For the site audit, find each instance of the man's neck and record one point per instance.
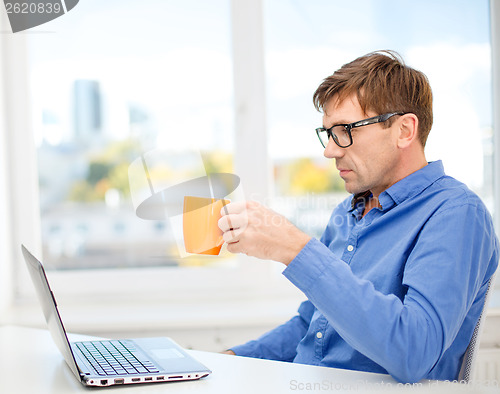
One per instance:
(371, 203)
(414, 166)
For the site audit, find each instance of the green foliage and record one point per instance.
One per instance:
(306, 175)
(218, 161)
(108, 169)
(98, 170)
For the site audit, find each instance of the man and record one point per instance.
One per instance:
(398, 280)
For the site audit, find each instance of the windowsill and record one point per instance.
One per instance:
(490, 337)
(233, 311)
(85, 317)
(494, 302)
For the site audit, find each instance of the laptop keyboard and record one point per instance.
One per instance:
(116, 358)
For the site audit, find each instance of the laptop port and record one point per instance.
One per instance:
(104, 382)
(136, 379)
(148, 379)
(175, 377)
(160, 378)
(119, 381)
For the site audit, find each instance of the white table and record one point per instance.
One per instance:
(30, 363)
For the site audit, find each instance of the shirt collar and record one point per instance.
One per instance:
(360, 199)
(406, 188)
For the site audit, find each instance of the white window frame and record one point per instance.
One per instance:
(6, 275)
(147, 289)
(255, 282)
(495, 67)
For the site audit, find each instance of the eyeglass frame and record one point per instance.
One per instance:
(349, 126)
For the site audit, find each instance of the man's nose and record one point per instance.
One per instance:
(332, 150)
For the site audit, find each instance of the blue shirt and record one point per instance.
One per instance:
(397, 291)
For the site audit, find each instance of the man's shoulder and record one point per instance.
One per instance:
(450, 193)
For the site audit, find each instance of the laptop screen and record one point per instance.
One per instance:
(49, 307)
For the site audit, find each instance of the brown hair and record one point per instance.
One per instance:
(382, 83)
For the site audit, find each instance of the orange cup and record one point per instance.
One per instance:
(202, 235)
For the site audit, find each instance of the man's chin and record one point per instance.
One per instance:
(353, 189)
(349, 188)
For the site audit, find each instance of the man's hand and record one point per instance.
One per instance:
(255, 230)
(230, 352)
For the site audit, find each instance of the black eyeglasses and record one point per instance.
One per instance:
(341, 133)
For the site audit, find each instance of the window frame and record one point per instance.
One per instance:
(250, 280)
(19, 190)
(495, 67)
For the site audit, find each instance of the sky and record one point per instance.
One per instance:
(174, 59)
(447, 40)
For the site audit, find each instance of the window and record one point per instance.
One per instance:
(116, 79)
(307, 41)
(131, 78)
(109, 83)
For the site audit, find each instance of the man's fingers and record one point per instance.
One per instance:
(233, 208)
(231, 222)
(232, 236)
(234, 247)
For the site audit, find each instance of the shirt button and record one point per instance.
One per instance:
(350, 248)
(319, 335)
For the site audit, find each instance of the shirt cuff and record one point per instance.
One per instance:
(308, 265)
(248, 349)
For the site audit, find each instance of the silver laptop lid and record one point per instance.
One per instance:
(49, 307)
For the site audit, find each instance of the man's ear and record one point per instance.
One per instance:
(408, 130)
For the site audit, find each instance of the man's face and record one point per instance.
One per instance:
(371, 162)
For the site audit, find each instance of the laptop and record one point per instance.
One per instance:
(113, 362)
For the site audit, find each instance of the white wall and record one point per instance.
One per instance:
(495, 67)
(5, 257)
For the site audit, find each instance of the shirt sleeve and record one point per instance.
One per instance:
(280, 343)
(406, 337)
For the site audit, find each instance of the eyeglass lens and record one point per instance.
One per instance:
(339, 133)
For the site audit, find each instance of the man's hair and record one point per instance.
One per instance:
(382, 83)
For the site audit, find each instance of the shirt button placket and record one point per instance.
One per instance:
(318, 346)
(350, 246)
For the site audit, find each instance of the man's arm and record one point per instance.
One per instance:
(255, 230)
(443, 275)
(280, 343)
